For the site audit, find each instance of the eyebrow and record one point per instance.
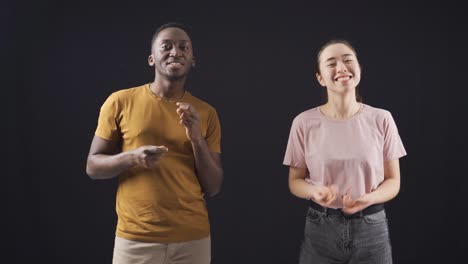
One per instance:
(334, 58)
(172, 40)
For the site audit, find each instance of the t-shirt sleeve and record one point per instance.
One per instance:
(295, 149)
(213, 132)
(108, 127)
(393, 146)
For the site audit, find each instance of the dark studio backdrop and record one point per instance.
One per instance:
(255, 65)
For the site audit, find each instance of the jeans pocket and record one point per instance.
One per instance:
(313, 215)
(376, 218)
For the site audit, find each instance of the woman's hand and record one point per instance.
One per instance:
(351, 206)
(324, 195)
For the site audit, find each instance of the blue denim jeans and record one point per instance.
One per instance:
(337, 239)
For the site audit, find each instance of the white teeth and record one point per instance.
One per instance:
(343, 78)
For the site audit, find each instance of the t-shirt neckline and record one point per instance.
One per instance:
(161, 99)
(322, 115)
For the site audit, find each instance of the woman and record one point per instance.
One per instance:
(343, 157)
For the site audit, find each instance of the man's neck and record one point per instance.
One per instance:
(170, 90)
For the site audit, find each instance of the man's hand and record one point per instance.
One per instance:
(148, 156)
(190, 119)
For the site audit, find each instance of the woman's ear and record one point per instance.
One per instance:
(320, 79)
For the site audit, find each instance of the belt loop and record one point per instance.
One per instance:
(361, 214)
(325, 210)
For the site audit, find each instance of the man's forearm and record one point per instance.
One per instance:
(102, 166)
(209, 172)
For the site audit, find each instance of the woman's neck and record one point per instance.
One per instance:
(341, 108)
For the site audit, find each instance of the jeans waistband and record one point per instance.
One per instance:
(372, 209)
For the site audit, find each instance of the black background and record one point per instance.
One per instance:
(255, 65)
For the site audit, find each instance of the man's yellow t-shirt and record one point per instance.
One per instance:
(164, 204)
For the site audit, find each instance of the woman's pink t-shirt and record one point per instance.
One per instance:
(349, 153)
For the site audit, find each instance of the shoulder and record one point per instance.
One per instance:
(375, 113)
(200, 105)
(308, 120)
(309, 115)
(128, 93)
(378, 117)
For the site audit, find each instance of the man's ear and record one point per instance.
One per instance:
(151, 60)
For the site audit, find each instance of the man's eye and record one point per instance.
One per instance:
(331, 65)
(349, 60)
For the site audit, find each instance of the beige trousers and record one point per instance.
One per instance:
(190, 252)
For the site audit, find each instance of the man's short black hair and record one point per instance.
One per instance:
(168, 25)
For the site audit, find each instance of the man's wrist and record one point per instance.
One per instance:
(130, 158)
(198, 141)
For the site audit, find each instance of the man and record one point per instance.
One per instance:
(164, 144)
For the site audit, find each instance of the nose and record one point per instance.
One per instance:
(175, 51)
(341, 67)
